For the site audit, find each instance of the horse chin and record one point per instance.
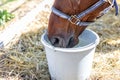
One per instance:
(72, 43)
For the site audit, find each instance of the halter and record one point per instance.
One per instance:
(75, 19)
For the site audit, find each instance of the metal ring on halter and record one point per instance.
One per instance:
(73, 19)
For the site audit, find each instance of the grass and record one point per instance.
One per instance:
(5, 16)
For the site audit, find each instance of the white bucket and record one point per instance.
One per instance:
(71, 63)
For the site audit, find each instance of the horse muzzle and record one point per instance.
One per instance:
(58, 41)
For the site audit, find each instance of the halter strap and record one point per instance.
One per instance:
(75, 19)
(116, 7)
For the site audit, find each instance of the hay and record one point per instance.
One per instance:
(107, 58)
(26, 59)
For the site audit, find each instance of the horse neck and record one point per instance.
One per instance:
(73, 6)
(67, 6)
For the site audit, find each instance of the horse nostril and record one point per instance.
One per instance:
(57, 41)
(60, 42)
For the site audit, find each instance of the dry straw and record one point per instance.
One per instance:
(26, 59)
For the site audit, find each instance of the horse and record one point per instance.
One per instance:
(69, 18)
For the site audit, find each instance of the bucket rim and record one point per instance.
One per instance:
(73, 49)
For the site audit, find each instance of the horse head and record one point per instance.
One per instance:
(69, 18)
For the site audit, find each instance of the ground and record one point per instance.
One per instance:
(25, 58)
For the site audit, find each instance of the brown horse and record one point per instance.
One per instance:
(64, 32)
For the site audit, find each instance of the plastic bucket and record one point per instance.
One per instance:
(71, 63)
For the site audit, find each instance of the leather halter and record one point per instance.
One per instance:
(75, 19)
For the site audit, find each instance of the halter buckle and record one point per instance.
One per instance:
(74, 20)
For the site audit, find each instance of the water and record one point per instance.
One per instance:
(82, 42)
(87, 38)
